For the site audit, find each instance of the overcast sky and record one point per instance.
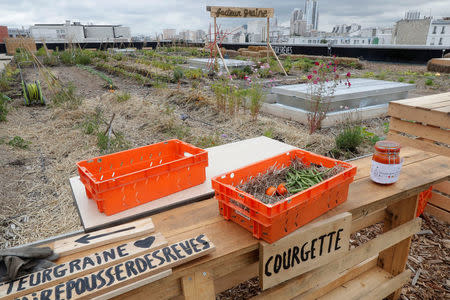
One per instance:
(148, 17)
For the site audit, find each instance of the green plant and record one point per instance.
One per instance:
(91, 123)
(401, 79)
(66, 96)
(41, 52)
(304, 64)
(115, 142)
(411, 81)
(50, 60)
(193, 73)
(108, 80)
(207, 141)
(349, 139)
(19, 142)
(386, 127)
(82, 58)
(429, 82)
(177, 74)
(3, 106)
(368, 75)
(269, 133)
(22, 55)
(122, 97)
(381, 76)
(371, 137)
(256, 95)
(66, 57)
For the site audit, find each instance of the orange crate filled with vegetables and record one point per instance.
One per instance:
(275, 196)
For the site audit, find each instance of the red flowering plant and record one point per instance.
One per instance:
(322, 84)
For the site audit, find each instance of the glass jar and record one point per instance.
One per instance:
(386, 162)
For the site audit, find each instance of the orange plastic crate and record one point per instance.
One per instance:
(129, 178)
(271, 222)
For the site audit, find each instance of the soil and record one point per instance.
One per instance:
(34, 188)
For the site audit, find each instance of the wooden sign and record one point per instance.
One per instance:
(80, 266)
(127, 272)
(239, 12)
(101, 237)
(308, 248)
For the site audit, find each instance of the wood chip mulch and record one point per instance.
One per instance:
(429, 261)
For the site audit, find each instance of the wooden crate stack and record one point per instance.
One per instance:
(424, 123)
(255, 51)
(13, 43)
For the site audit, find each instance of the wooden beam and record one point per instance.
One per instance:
(199, 285)
(411, 142)
(438, 213)
(223, 61)
(403, 111)
(385, 289)
(417, 129)
(443, 187)
(365, 221)
(394, 259)
(329, 272)
(98, 238)
(440, 201)
(279, 62)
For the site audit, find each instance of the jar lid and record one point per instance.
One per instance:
(387, 146)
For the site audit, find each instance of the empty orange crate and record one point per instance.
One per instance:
(129, 178)
(271, 222)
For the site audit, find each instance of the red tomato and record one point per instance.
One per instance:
(271, 190)
(281, 189)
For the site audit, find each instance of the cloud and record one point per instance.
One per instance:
(149, 17)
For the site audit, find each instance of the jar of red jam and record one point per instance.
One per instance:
(386, 162)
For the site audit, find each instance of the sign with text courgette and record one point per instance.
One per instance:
(308, 248)
(126, 273)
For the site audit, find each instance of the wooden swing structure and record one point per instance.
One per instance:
(242, 12)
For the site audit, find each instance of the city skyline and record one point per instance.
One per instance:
(152, 17)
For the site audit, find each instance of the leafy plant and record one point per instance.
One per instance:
(41, 52)
(177, 74)
(269, 133)
(3, 106)
(91, 123)
(386, 127)
(371, 137)
(381, 76)
(108, 80)
(193, 73)
(122, 97)
(368, 75)
(401, 79)
(66, 57)
(66, 96)
(19, 142)
(411, 81)
(50, 60)
(349, 139)
(207, 141)
(429, 82)
(256, 96)
(115, 142)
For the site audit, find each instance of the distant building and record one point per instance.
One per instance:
(412, 15)
(257, 31)
(18, 32)
(411, 31)
(3, 33)
(345, 29)
(169, 34)
(78, 33)
(439, 32)
(311, 14)
(297, 24)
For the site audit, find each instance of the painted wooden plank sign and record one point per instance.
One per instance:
(308, 248)
(101, 237)
(128, 272)
(80, 266)
(240, 12)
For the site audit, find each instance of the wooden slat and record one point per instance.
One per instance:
(386, 288)
(426, 146)
(230, 280)
(393, 260)
(442, 104)
(98, 238)
(198, 286)
(370, 219)
(424, 100)
(438, 213)
(445, 110)
(127, 288)
(435, 117)
(341, 278)
(443, 187)
(417, 129)
(328, 273)
(358, 287)
(440, 201)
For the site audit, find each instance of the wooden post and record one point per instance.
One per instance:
(267, 39)
(215, 41)
(199, 285)
(394, 258)
(279, 62)
(223, 61)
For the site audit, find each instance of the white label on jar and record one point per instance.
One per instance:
(383, 173)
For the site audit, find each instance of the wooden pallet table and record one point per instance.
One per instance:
(373, 270)
(424, 123)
